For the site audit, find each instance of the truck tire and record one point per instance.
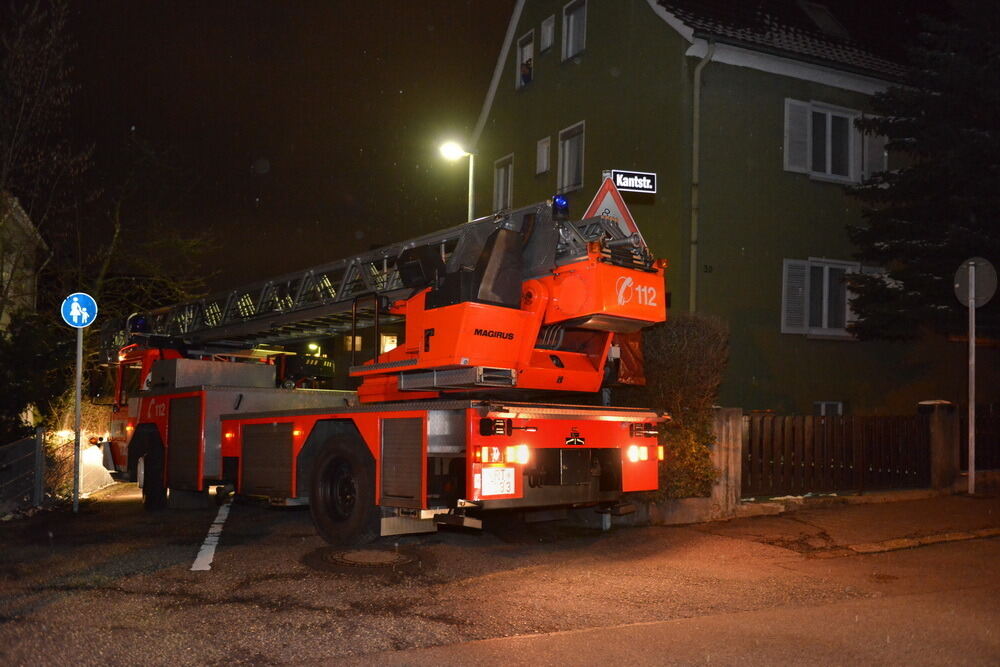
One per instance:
(342, 494)
(154, 493)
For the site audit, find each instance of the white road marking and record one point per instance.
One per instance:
(207, 552)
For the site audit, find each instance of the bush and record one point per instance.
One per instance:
(685, 359)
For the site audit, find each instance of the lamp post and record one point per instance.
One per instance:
(453, 151)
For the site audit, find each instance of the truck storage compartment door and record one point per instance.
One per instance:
(402, 462)
(267, 460)
(184, 444)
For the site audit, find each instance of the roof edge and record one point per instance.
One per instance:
(20, 217)
(728, 53)
(671, 19)
(515, 17)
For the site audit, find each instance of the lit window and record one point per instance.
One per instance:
(524, 71)
(388, 342)
(548, 34)
(542, 156)
(503, 173)
(574, 28)
(352, 348)
(571, 145)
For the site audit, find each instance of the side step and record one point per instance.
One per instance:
(425, 521)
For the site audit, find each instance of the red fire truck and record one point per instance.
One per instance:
(440, 430)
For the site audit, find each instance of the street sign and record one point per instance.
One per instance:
(609, 203)
(79, 310)
(986, 282)
(634, 181)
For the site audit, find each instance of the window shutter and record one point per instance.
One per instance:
(794, 296)
(875, 158)
(796, 136)
(867, 271)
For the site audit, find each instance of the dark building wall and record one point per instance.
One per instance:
(633, 87)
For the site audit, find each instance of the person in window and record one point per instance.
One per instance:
(526, 72)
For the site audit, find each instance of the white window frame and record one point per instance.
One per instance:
(565, 134)
(527, 38)
(798, 147)
(796, 298)
(543, 153)
(829, 408)
(875, 157)
(567, 9)
(503, 200)
(548, 30)
(853, 143)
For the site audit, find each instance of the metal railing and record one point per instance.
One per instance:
(22, 472)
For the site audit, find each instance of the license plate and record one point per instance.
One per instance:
(498, 481)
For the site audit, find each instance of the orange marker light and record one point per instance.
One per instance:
(659, 452)
(229, 435)
(297, 432)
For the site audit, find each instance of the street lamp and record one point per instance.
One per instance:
(452, 151)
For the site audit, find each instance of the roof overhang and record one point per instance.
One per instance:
(731, 52)
(773, 63)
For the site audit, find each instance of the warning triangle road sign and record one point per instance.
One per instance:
(608, 202)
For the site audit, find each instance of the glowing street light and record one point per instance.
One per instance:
(453, 151)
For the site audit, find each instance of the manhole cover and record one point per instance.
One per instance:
(368, 558)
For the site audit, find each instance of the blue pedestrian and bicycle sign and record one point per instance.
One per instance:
(79, 310)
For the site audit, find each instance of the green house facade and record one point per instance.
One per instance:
(744, 111)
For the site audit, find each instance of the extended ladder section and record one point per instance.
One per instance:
(352, 292)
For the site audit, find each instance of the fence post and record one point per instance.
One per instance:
(944, 428)
(39, 494)
(727, 456)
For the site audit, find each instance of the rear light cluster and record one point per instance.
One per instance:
(519, 454)
(636, 453)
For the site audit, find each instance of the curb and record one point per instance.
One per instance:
(913, 542)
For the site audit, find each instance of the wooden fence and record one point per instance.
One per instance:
(799, 455)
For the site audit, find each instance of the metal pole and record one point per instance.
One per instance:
(471, 161)
(76, 436)
(39, 467)
(972, 378)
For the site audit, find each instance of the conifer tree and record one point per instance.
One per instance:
(941, 205)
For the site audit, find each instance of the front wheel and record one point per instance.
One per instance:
(342, 494)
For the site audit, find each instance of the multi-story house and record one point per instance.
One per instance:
(745, 112)
(20, 245)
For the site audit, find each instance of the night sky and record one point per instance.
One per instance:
(304, 129)
(302, 132)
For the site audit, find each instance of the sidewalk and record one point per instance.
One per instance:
(868, 527)
(934, 605)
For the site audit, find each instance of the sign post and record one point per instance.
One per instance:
(975, 283)
(78, 310)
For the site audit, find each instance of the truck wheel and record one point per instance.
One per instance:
(342, 494)
(154, 493)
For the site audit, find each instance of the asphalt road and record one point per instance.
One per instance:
(114, 586)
